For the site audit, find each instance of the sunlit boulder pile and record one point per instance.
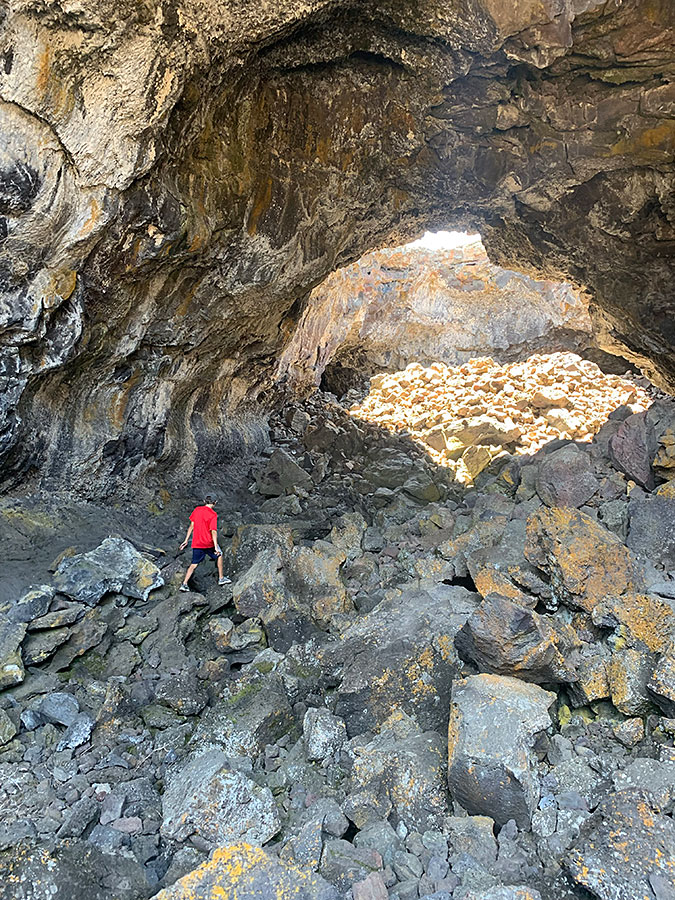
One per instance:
(465, 416)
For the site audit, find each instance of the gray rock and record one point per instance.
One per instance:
(204, 796)
(72, 870)
(77, 733)
(7, 728)
(11, 665)
(632, 449)
(651, 529)
(565, 477)
(624, 846)
(472, 837)
(248, 873)
(512, 892)
(251, 712)
(115, 565)
(59, 708)
(282, 475)
(33, 604)
(493, 723)
(342, 864)
(404, 648)
(653, 776)
(323, 733)
(184, 693)
(398, 775)
(505, 638)
(662, 683)
(379, 835)
(80, 817)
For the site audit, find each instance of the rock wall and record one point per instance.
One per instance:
(177, 175)
(416, 304)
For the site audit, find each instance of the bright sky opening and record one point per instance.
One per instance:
(445, 240)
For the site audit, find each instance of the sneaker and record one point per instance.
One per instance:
(184, 588)
(224, 580)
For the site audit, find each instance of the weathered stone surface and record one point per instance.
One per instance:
(205, 797)
(323, 733)
(662, 683)
(565, 478)
(591, 569)
(625, 850)
(342, 864)
(424, 117)
(651, 531)
(493, 723)
(115, 565)
(401, 656)
(399, 775)
(7, 728)
(250, 712)
(507, 639)
(248, 873)
(512, 892)
(11, 664)
(415, 304)
(77, 870)
(282, 475)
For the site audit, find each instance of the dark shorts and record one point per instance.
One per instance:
(198, 554)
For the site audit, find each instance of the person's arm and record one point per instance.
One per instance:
(187, 536)
(214, 535)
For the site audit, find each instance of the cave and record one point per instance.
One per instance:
(417, 636)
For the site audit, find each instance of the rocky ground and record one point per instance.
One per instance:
(414, 687)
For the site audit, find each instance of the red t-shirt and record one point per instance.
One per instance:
(205, 521)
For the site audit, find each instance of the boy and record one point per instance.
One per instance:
(203, 525)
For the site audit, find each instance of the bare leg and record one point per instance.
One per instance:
(219, 562)
(190, 572)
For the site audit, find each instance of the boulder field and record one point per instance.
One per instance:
(413, 687)
(176, 176)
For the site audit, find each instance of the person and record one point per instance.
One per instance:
(204, 532)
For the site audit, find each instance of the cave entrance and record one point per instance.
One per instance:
(470, 360)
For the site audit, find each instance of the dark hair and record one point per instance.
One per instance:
(209, 499)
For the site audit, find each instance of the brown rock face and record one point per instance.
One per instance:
(425, 305)
(176, 177)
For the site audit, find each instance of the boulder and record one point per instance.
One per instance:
(508, 639)
(565, 477)
(494, 721)
(248, 873)
(75, 870)
(249, 713)
(323, 733)
(343, 864)
(7, 728)
(205, 796)
(654, 776)
(651, 529)
(512, 892)
(11, 665)
(282, 475)
(662, 683)
(115, 565)
(33, 604)
(400, 655)
(625, 850)
(592, 570)
(632, 449)
(399, 775)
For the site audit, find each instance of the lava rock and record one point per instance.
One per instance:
(342, 864)
(565, 478)
(399, 775)
(662, 683)
(248, 873)
(72, 869)
(282, 475)
(401, 656)
(204, 796)
(7, 728)
(59, 707)
(508, 639)
(323, 733)
(494, 721)
(115, 565)
(11, 665)
(651, 530)
(624, 850)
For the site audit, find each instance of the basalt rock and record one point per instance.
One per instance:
(176, 180)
